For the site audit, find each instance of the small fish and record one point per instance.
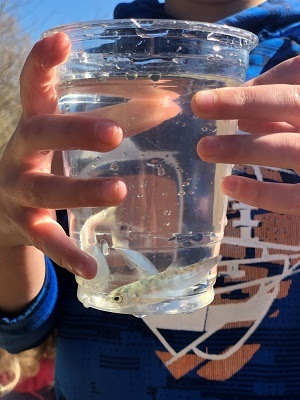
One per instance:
(136, 260)
(170, 283)
(107, 217)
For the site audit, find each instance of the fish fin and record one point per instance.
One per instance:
(179, 263)
(134, 259)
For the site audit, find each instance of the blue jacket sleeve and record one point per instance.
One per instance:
(30, 328)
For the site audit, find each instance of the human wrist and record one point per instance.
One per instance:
(22, 272)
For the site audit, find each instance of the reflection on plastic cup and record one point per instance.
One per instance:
(157, 252)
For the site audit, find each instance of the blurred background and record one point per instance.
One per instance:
(39, 15)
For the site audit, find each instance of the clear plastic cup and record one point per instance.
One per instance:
(157, 253)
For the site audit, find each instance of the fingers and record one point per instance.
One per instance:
(274, 150)
(145, 108)
(273, 103)
(66, 132)
(57, 192)
(48, 236)
(286, 72)
(264, 128)
(138, 116)
(37, 80)
(137, 89)
(276, 197)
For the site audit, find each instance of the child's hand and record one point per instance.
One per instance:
(269, 108)
(29, 193)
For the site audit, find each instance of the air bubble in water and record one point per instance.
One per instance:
(104, 247)
(180, 61)
(217, 47)
(102, 77)
(87, 75)
(167, 212)
(131, 75)
(181, 193)
(66, 108)
(154, 76)
(198, 237)
(82, 55)
(114, 166)
(161, 171)
(124, 228)
(154, 162)
(185, 184)
(187, 243)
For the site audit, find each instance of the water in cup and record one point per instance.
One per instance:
(157, 252)
(162, 242)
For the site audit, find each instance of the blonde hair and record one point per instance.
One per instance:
(25, 364)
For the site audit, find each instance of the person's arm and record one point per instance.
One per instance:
(29, 327)
(29, 192)
(22, 272)
(269, 108)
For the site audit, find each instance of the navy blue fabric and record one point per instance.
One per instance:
(275, 22)
(141, 9)
(22, 332)
(110, 356)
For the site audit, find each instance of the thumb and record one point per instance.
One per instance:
(37, 82)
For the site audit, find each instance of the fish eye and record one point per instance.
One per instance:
(118, 299)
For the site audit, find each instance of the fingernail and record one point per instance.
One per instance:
(210, 145)
(108, 131)
(54, 40)
(80, 270)
(112, 190)
(205, 100)
(230, 185)
(84, 270)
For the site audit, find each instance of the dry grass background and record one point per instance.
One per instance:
(14, 47)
